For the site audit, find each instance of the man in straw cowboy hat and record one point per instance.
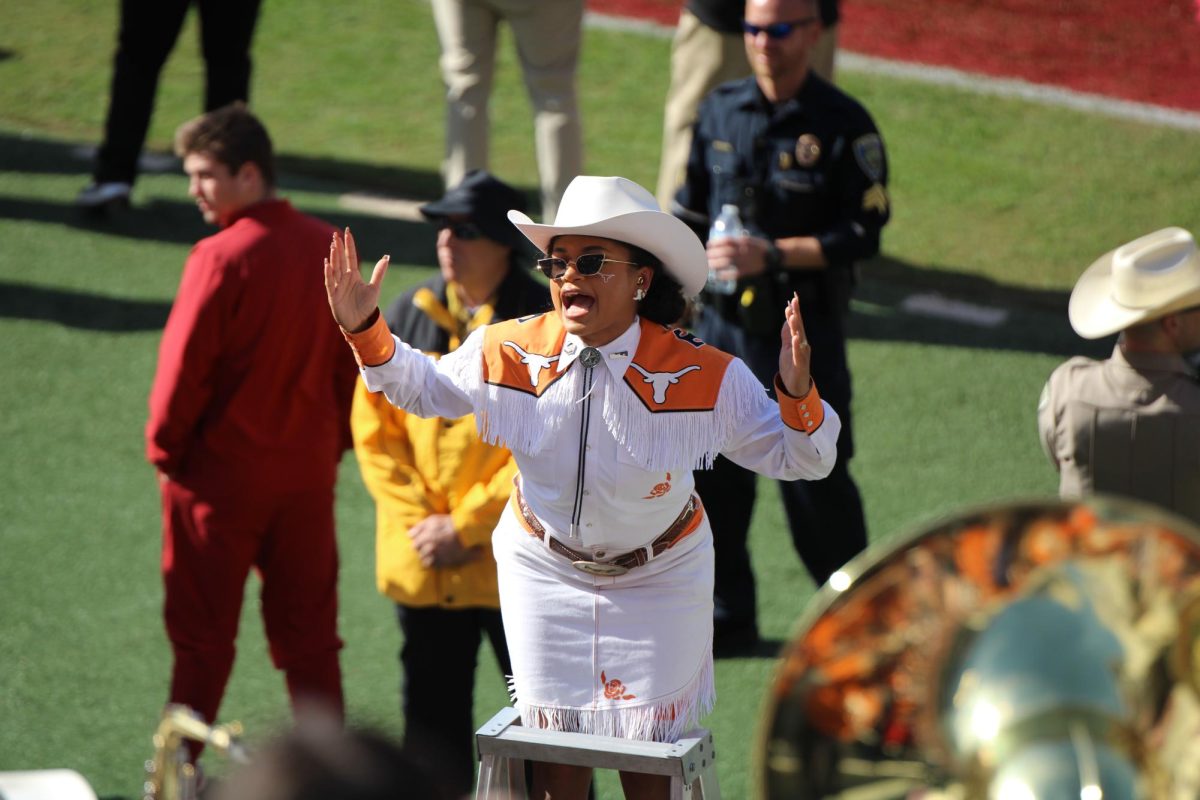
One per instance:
(1130, 425)
(604, 555)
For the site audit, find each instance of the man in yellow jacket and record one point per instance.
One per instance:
(438, 488)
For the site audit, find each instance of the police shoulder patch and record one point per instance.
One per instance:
(868, 152)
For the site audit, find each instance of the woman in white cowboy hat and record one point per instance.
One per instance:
(605, 557)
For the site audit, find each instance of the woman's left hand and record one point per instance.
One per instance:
(794, 352)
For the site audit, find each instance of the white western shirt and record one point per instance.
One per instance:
(619, 502)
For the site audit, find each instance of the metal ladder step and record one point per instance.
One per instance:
(504, 745)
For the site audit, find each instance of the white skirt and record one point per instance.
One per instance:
(627, 656)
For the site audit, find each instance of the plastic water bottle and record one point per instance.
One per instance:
(728, 223)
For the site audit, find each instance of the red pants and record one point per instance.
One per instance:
(210, 543)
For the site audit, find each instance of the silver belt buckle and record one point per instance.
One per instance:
(600, 568)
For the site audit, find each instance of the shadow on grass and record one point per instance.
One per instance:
(763, 648)
(27, 153)
(20, 153)
(298, 172)
(177, 222)
(1034, 320)
(81, 310)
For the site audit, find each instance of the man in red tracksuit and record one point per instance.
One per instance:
(249, 415)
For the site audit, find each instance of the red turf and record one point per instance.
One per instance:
(1144, 50)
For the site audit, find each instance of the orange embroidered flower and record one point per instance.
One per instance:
(614, 689)
(659, 489)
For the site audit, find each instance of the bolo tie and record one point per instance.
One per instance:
(589, 358)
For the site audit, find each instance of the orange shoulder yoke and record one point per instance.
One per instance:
(672, 370)
(523, 353)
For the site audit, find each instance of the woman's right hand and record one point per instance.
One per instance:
(350, 299)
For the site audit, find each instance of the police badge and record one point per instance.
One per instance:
(808, 150)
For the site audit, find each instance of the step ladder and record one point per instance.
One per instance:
(505, 745)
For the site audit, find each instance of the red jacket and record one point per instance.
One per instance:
(254, 380)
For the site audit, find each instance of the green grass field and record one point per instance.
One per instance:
(996, 202)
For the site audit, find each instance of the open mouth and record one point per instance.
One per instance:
(576, 304)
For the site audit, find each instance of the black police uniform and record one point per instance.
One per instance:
(813, 165)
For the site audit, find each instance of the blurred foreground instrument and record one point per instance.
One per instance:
(170, 775)
(1024, 651)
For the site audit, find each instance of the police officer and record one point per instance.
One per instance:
(707, 50)
(806, 167)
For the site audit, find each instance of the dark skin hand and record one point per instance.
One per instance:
(794, 352)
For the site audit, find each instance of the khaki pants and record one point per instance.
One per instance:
(547, 37)
(701, 60)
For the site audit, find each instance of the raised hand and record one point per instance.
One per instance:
(351, 300)
(794, 352)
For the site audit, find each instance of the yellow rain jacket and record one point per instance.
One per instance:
(416, 467)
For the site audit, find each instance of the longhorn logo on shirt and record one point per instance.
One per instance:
(661, 381)
(535, 362)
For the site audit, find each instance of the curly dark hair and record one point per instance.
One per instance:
(664, 302)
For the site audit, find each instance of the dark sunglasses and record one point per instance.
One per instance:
(586, 265)
(777, 30)
(467, 231)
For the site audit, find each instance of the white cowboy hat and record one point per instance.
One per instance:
(1138, 282)
(617, 208)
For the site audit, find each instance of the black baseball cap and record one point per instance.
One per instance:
(485, 200)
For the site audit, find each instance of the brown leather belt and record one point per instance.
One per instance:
(687, 522)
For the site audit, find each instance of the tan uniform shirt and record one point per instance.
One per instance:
(1128, 426)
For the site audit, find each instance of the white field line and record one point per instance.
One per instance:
(968, 81)
(382, 206)
(931, 304)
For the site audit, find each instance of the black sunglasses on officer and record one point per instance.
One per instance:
(777, 30)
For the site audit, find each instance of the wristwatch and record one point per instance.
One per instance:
(773, 258)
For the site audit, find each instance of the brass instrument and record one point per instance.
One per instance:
(1024, 651)
(171, 775)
